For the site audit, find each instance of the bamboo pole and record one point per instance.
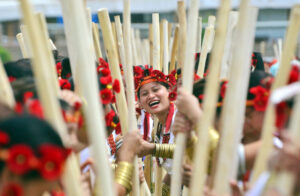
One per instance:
(199, 35)
(207, 40)
(174, 48)
(188, 71)
(120, 42)
(280, 80)
(113, 26)
(139, 45)
(262, 48)
(39, 49)
(211, 23)
(286, 180)
(211, 91)
(161, 44)
(156, 41)
(146, 44)
(82, 57)
(24, 32)
(170, 30)
(132, 125)
(123, 61)
(232, 116)
(165, 47)
(151, 44)
(6, 92)
(182, 33)
(21, 43)
(134, 48)
(43, 27)
(52, 45)
(96, 41)
(227, 57)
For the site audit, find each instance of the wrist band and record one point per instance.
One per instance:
(123, 174)
(164, 150)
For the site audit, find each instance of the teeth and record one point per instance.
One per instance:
(153, 103)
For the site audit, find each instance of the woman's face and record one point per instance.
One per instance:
(154, 98)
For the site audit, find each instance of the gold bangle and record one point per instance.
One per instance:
(124, 174)
(164, 150)
(165, 190)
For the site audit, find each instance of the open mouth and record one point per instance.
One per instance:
(154, 103)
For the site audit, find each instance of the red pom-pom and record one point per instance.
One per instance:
(19, 108)
(11, 78)
(36, 109)
(4, 138)
(172, 96)
(105, 80)
(172, 79)
(116, 86)
(51, 163)
(109, 118)
(27, 95)
(294, 75)
(19, 159)
(105, 72)
(106, 96)
(261, 98)
(223, 89)
(64, 84)
(77, 106)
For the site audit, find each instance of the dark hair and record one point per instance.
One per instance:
(23, 85)
(256, 79)
(19, 68)
(199, 88)
(30, 131)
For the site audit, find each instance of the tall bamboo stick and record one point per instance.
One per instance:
(39, 49)
(24, 32)
(96, 41)
(227, 57)
(151, 43)
(165, 47)
(174, 48)
(207, 41)
(211, 91)
(156, 41)
(280, 80)
(6, 92)
(134, 48)
(199, 35)
(82, 57)
(43, 27)
(21, 43)
(130, 86)
(182, 33)
(161, 44)
(235, 98)
(188, 71)
(120, 40)
(286, 180)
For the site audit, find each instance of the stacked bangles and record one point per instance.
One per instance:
(164, 150)
(123, 174)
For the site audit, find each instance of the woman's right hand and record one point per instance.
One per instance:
(188, 105)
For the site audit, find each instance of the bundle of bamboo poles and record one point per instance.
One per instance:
(169, 46)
